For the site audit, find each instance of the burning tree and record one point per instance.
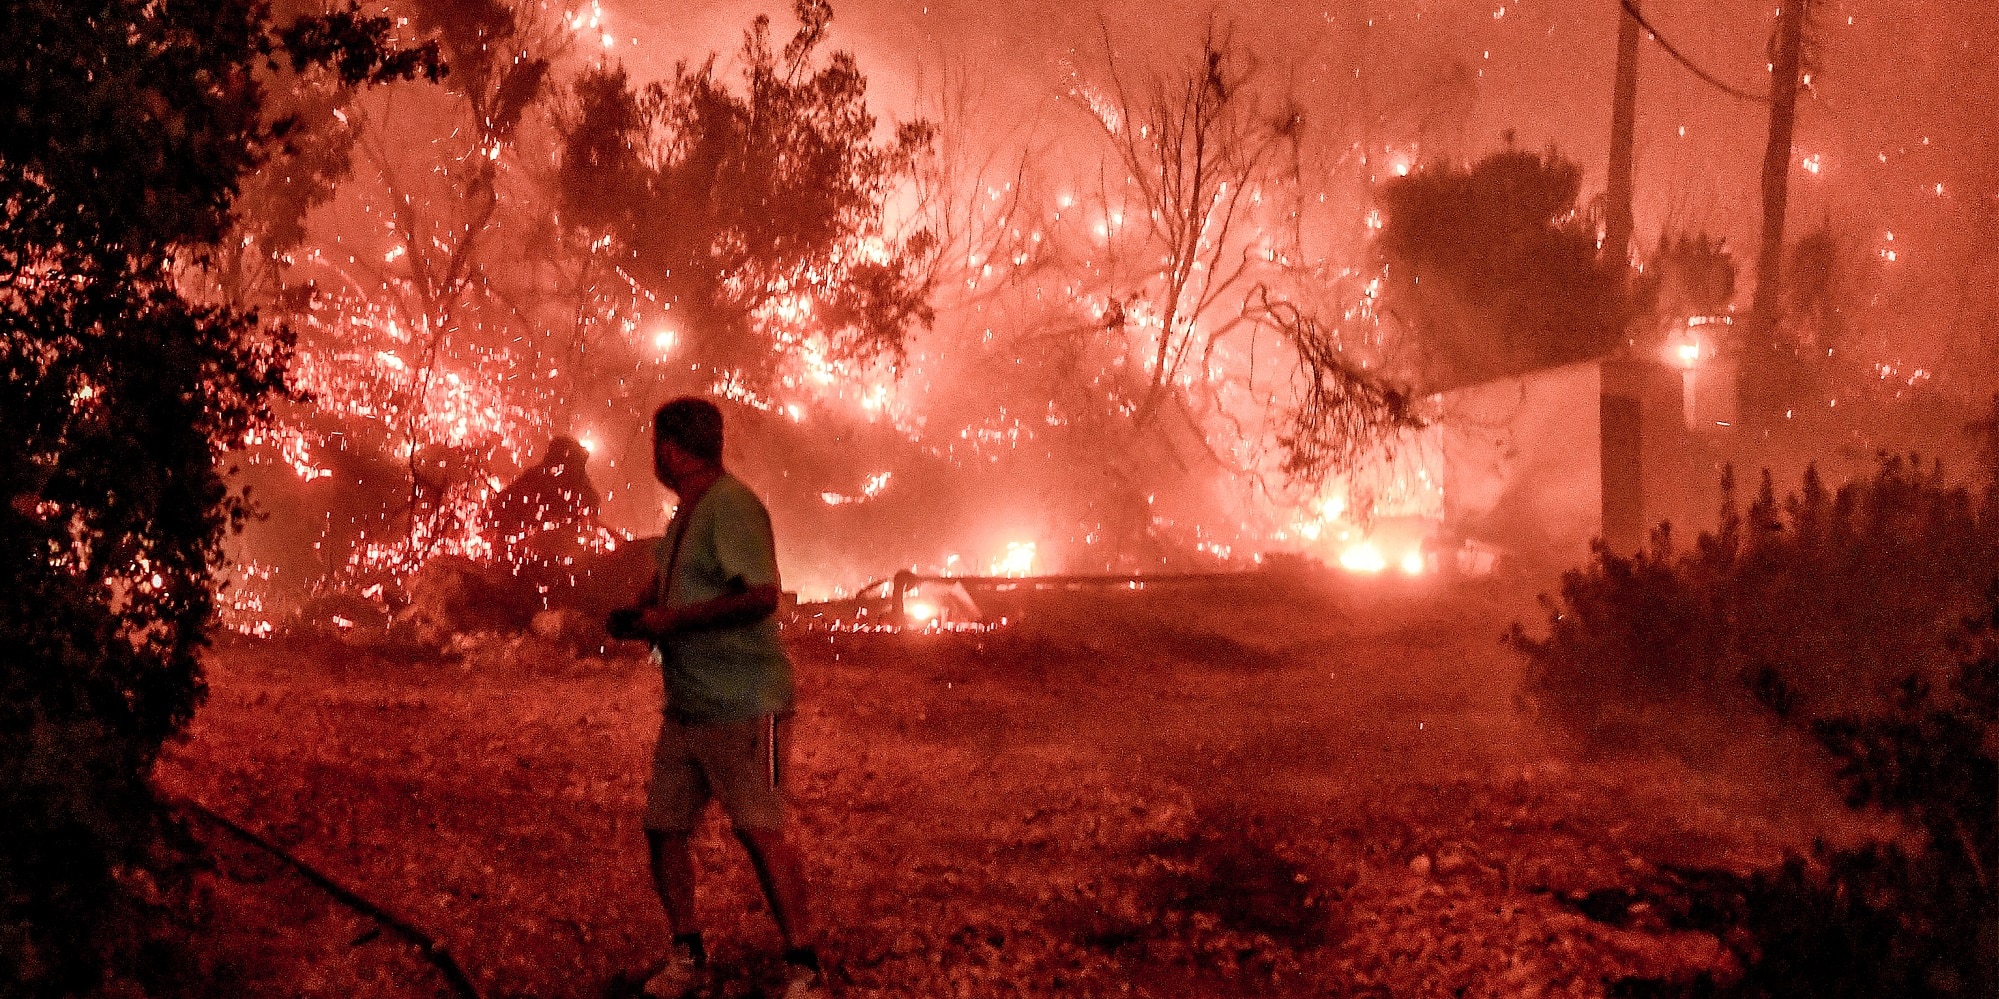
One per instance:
(395, 402)
(422, 326)
(1145, 323)
(452, 323)
(133, 125)
(439, 355)
(1198, 261)
(1198, 147)
(755, 216)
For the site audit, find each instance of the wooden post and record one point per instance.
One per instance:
(899, 588)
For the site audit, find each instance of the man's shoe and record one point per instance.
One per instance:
(801, 982)
(678, 979)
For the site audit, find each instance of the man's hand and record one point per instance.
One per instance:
(657, 623)
(651, 624)
(626, 623)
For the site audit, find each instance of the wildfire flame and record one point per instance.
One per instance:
(1017, 561)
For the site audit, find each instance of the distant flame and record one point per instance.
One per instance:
(1363, 557)
(869, 490)
(1018, 560)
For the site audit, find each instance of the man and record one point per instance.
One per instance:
(710, 614)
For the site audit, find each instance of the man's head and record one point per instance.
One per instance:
(686, 439)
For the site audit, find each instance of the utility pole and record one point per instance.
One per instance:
(1619, 448)
(1760, 362)
(1623, 130)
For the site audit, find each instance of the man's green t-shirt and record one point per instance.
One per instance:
(732, 673)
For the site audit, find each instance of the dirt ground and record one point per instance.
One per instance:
(1271, 786)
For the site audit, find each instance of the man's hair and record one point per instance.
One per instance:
(695, 425)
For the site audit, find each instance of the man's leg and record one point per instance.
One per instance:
(673, 878)
(673, 802)
(778, 869)
(745, 770)
(686, 961)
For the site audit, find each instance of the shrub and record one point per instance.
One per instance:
(131, 127)
(1912, 918)
(1816, 607)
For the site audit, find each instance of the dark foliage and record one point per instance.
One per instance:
(1816, 607)
(1833, 616)
(1917, 918)
(1494, 270)
(774, 188)
(128, 127)
(1810, 359)
(1820, 282)
(309, 97)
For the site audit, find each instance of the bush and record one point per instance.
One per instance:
(1837, 617)
(1820, 606)
(130, 129)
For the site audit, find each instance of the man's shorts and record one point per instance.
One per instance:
(737, 763)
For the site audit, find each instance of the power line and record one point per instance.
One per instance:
(1631, 8)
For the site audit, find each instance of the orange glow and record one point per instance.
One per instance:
(1018, 560)
(1363, 557)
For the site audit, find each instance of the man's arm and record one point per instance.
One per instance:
(741, 605)
(739, 538)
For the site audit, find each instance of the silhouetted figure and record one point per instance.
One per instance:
(555, 494)
(711, 615)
